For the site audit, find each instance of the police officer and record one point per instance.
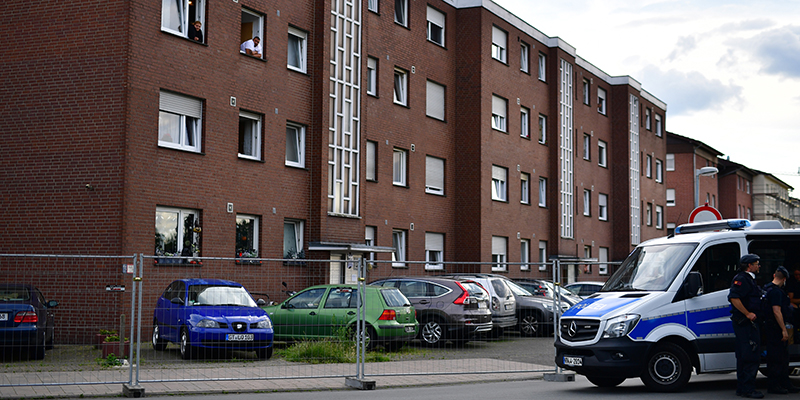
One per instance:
(777, 335)
(745, 298)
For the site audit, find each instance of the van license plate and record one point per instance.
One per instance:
(573, 361)
(243, 337)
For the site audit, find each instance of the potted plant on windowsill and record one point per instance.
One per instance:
(293, 257)
(112, 346)
(247, 257)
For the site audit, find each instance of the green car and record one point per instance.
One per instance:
(322, 311)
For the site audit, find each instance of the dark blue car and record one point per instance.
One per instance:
(26, 319)
(211, 314)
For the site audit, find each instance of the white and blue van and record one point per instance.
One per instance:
(665, 311)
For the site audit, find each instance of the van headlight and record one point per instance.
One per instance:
(265, 324)
(620, 326)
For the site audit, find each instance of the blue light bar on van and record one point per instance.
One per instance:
(712, 226)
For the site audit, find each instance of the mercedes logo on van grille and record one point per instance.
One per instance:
(573, 328)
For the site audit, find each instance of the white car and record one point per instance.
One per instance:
(584, 289)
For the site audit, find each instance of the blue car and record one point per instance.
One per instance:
(211, 314)
(26, 319)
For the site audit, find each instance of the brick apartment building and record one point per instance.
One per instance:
(735, 190)
(441, 130)
(684, 157)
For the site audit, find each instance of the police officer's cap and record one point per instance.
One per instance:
(782, 270)
(749, 259)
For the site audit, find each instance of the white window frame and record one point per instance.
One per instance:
(399, 167)
(182, 9)
(524, 254)
(434, 175)
(659, 125)
(499, 111)
(372, 76)
(499, 183)
(255, 220)
(542, 67)
(670, 164)
(372, 5)
(602, 257)
(649, 214)
(180, 234)
(299, 139)
(525, 188)
(189, 111)
(253, 135)
(587, 202)
(542, 192)
(499, 44)
(499, 253)
(602, 207)
(647, 117)
(401, 12)
(670, 197)
(659, 171)
(601, 101)
(400, 87)
(298, 41)
(542, 129)
(398, 248)
(524, 57)
(587, 90)
(258, 27)
(436, 19)
(369, 239)
(648, 167)
(602, 153)
(296, 227)
(524, 122)
(659, 217)
(587, 147)
(542, 255)
(435, 100)
(434, 251)
(372, 161)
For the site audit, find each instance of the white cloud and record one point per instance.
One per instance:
(685, 44)
(778, 51)
(689, 92)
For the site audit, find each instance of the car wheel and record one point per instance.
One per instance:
(668, 368)
(605, 382)
(369, 336)
(530, 325)
(432, 332)
(186, 345)
(159, 343)
(264, 354)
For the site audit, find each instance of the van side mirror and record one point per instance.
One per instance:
(692, 286)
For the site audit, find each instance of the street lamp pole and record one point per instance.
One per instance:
(705, 171)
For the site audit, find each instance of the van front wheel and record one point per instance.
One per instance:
(668, 368)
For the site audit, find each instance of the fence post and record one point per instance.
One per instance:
(358, 382)
(133, 388)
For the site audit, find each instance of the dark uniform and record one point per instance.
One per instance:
(777, 349)
(748, 337)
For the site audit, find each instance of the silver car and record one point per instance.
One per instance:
(503, 302)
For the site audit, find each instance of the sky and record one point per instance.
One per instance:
(729, 71)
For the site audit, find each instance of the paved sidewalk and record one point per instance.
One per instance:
(270, 379)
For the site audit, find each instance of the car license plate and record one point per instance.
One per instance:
(240, 337)
(573, 361)
(410, 329)
(3, 316)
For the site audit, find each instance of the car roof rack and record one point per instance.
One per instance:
(725, 224)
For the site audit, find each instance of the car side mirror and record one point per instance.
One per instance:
(52, 303)
(692, 286)
(261, 302)
(176, 300)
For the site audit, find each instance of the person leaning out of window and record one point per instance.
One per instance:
(195, 33)
(252, 47)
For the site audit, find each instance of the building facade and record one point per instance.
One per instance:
(771, 200)
(686, 189)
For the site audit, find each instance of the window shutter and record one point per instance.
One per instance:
(498, 245)
(434, 172)
(179, 104)
(435, 100)
(499, 37)
(499, 106)
(498, 173)
(434, 241)
(435, 16)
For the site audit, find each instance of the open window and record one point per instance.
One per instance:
(252, 27)
(177, 16)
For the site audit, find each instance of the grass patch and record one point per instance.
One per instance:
(341, 349)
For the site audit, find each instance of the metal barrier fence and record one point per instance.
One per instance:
(106, 315)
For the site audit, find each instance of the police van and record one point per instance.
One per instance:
(665, 311)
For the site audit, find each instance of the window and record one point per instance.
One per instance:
(647, 115)
(246, 236)
(747, 187)
(542, 129)
(499, 175)
(400, 87)
(177, 232)
(670, 162)
(658, 125)
(499, 107)
(401, 12)
(372, 5)
(434, 100)
(649, 217)
(434, 250)
(372, 76)
(524, 122)
(601, 101)
(587, 147)
(659, 171)
(372, 161)
(525, 188)
(602, 211)
(436, 26)
(249, 135)
(434, 175)
(648, 166)
(296, 57)
(293, 239)
(602, 257)
(499, 40)
(542, 255)
(659, 217)
(252, 28)
(586, 91)
(399, 167)
(399, 244)
(542, 192)
(670, 197)
(369, 239)
(295, 145)
(542, 64)
(524, 254)
(602, 154)
(587, 202)
(179, 121)
(524, 57)
(499, 259)
(178, 15)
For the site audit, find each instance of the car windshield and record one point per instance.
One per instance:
(394, 298)
(518, 290)
(650, 268)
(210, 295)
(14, 294)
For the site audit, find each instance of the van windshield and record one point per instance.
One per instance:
(650, 268)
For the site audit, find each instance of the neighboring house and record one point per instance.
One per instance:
(771, 200)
